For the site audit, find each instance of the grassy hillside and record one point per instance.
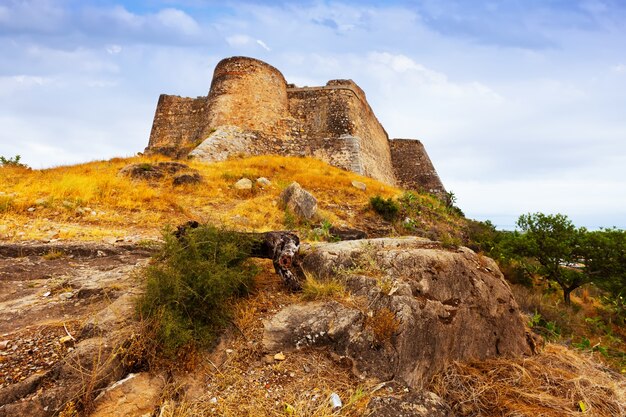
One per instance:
(90, 201)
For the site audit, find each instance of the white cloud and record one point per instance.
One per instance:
(263, 45)
(178, 20)
(113, 49)
(239, 40)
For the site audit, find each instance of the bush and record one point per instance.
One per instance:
(12, 162)
(388, 208)
(189, 285)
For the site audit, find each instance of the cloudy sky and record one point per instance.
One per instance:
(521, 104)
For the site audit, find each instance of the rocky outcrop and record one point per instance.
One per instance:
(421, 308)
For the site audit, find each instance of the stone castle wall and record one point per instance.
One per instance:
(338, 110)
(412, 166)
(333, 123)
(178, 122)
(249, 94)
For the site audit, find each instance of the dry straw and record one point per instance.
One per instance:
(555, 383)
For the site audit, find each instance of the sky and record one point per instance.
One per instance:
(521, 104)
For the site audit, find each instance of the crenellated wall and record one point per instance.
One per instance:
(251, 109)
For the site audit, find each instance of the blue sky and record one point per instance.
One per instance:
(521, 104)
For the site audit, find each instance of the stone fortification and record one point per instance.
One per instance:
(250, 109)
(412, 165)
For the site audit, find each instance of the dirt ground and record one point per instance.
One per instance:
(47, 291)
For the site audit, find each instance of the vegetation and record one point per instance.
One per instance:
(388, 208)
(12, 162)
(314, 289)
(190, 284)
(555, 383)
(555, 244)
(90, 201)
(548, 251)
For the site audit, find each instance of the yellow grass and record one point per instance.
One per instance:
(91, 200)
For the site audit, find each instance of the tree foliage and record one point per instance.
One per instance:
(604, 253)
(556, 245)
(12, 162)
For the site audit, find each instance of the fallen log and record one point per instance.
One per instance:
(282, 247)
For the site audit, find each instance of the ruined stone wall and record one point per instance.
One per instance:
(177, 123)
(413, 168)
(340, 109)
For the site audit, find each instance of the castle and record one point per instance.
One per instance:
(252, 110)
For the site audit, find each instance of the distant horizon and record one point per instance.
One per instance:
(519, 105)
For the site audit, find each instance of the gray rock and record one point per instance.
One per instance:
(224, 142)
(298, 200)
(427, 307)
(360, 185)
(243, 184)
(415, 404)
(312, 324)
(263, 182)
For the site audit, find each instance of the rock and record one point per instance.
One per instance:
(187, 178)
(147, 171)
(141, 172)
(312, 324)
(5, 344)
(134, 396)
(415, 404)
(428, 306)
(263, 182)
(224, 142)
(243, 184)
(31, 209)
(109, 240)
(298, 200)
(280, 356)
(359, 185)
(347, 233)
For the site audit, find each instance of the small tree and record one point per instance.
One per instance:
(555, 243)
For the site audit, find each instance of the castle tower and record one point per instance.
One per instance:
(247, 93)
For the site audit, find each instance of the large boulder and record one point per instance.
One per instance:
(421, 307)
(299, 200)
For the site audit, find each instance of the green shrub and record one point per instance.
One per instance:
(388, 208)
(190, 284)
(12, 162)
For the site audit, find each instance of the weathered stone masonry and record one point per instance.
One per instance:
(250, 109)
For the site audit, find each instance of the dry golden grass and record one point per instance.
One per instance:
(383, 324)
(555, 383)
(91, 201)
